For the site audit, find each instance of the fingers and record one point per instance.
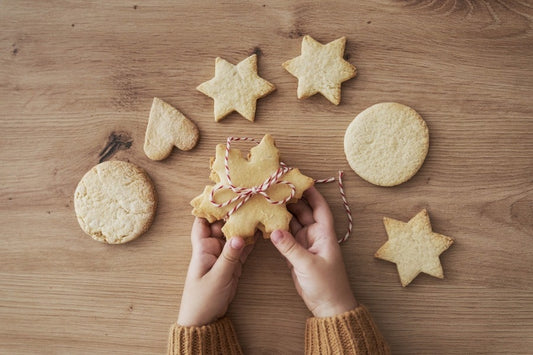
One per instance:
(290, 248)
(302, 211)
(247, 250)
(319, 205)
(216, 229)
(230, 258)
(294, 226)
(200, 230)
(303, 237)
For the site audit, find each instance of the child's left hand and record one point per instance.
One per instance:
(213, 274)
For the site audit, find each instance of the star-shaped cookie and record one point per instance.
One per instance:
(321, 68)
(414, 247)
(236, 88)
(257, 212)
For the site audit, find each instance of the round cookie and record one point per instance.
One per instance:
(387, 143)
(115, 202)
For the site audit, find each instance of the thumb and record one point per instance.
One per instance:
(290, 248)
(229, 259)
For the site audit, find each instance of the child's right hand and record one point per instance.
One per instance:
(315, 258)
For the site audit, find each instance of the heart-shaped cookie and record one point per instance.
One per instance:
(167, 128)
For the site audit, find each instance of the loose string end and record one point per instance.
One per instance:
(344, 201)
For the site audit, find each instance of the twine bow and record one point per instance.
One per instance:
(243, 194)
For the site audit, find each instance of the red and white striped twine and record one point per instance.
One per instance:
(344, 202)
(243, 194)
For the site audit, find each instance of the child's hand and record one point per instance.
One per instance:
(213, 274)
(315, 258)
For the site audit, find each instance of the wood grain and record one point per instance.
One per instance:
(72, 74)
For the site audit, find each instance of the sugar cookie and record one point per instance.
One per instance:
(387, 143)
(115, 202)
(236, 88)
(168, 128)
(321, 68)
(257, 212)
(414, 247)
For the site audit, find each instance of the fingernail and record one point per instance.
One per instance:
(276, 236)
(236, 243)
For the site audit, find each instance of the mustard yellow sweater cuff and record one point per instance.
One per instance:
(353, 332)
(218, 337)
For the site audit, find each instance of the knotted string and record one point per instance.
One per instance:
(243, 194)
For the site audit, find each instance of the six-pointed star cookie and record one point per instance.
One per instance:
(236, 88)
(321, 68)
(413, 247)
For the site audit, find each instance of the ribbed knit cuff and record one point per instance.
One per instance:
(217, 338)
(353, 332)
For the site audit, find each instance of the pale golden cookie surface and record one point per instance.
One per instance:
(115, 202)
(321, 68)
(414, 247)
(236, 88)
(386, 144)
(257, 213)
(168, 128)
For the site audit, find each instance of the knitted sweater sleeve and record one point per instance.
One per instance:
(353, 332)
(218, 337)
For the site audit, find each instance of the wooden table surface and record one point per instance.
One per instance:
(73, 74)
